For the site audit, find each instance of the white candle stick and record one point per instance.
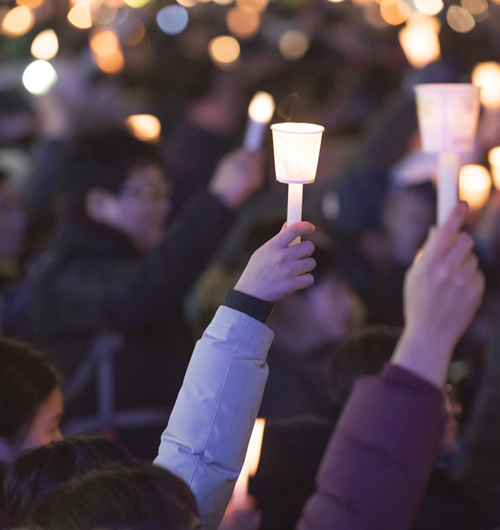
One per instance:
(494, 160)
(447, 197)
(250, 465)
(260, 112)
(294, 213)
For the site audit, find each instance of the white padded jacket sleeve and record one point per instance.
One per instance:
(208, 432)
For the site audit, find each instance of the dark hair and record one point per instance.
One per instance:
(136, 496)
(102, 159)
(363, 353)
(38, 473)
(27, 378)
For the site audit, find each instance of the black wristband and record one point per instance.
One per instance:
(250, 305)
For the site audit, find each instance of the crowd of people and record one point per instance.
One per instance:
(152, 304)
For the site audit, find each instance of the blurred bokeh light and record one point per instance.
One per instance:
(241, 23)
(39, 77)
(475, 185)
(224, 50)
(294, 44)
(172, 19)
(487, 76)
(45, 45)
(17, 21)
(145, 127)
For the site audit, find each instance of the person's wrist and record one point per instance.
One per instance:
(424, 353)
(252, 290)
(227, 199)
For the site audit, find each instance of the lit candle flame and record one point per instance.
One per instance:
(262, 107)
(475, 185)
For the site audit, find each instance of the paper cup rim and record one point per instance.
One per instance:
(276, 127)
(438, 87)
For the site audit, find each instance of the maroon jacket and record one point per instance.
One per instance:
(380, 456)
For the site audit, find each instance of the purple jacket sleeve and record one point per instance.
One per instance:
(380, 456)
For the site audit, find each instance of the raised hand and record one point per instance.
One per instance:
(443, 290)
(237, 177)
(276, 270)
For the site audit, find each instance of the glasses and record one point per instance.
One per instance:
(147, 193)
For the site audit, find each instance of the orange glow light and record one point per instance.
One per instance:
(475, 185)
(420, 42)
(224, 50)
(252, 6)
(112, 63)
(487, 76)
(17, 21)
(395, 12)
(145, 127)
(32, 4)
(80, 15)
(104, 43)
(45, 45)
(242, 23)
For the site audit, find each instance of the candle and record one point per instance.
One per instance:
(494, 160)
(250, 465)
(145, 127)
(296, 154)
(475, 186)
(448, 171)
(487, 77)
(420, 42)
(260, 112)
(447, 116)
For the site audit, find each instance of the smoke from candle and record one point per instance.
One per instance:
(287, 106)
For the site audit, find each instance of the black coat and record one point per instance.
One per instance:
(92, 280)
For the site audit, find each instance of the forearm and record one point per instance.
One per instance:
(206, 439)
(380, 456)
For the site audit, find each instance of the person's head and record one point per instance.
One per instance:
(38, 473)
(407, 216)
(323, 314)
(365, 353)
(12, 220)
(31, 402)
(136, 496)
(117, 180)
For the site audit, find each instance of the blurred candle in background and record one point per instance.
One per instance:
(420, 42)
(260, 112)
(494, 160)
(145, 127)
(447, 117)
(250, 465)
(487, 77)
(475, 186)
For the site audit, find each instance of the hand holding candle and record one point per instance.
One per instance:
(260, 112)
(296, 155)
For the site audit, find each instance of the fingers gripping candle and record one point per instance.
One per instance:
(447, 116)
(260, 112)
(296, 155)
